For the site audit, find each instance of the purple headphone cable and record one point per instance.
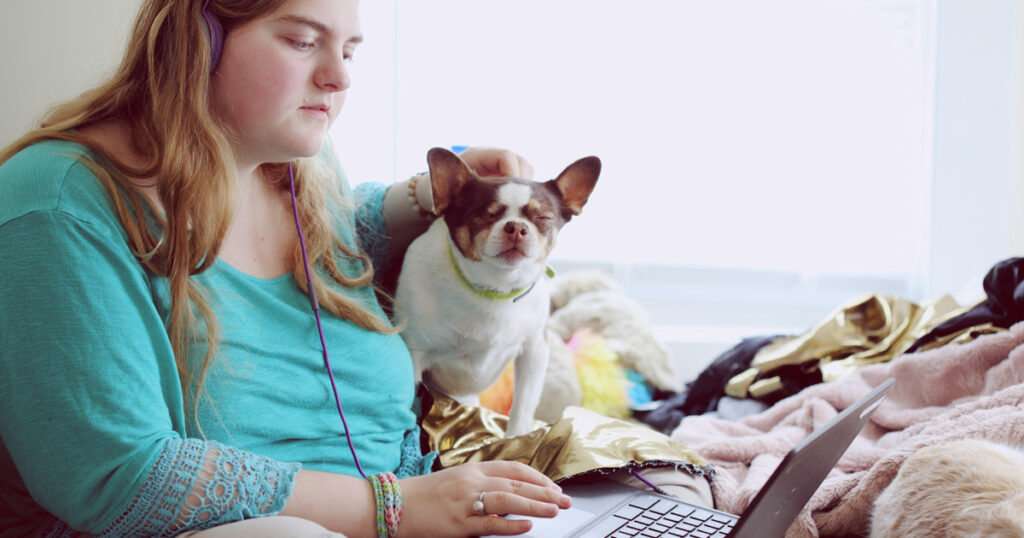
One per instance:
(647, 482)
(216, 36)
(316, 313)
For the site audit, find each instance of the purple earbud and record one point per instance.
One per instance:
(215, 33)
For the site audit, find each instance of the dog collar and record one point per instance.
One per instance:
(515, 295)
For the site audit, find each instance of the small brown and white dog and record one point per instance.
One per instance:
(473, 289)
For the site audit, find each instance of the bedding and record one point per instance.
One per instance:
(972, 390)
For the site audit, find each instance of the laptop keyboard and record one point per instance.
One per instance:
(653, 517)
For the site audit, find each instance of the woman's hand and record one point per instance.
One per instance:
(441, 504)
(496, 162)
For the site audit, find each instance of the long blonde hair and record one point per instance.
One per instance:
(161, 89)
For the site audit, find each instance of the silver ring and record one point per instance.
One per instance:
(478, 505)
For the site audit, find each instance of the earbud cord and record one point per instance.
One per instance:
(316, 313)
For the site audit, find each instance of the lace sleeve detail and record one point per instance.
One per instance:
(200, 484)
(414, 462)
(373, 237)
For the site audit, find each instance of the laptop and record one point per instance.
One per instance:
(605, 508)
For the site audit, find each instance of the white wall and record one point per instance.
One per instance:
(1016, 200)
(52, 50)
(976, 192)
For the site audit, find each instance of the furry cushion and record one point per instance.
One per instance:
(591, 301)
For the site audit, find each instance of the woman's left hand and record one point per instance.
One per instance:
(488, 161)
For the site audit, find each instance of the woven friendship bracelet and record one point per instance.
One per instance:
(387, 494)
(393, 497)
(427, 215)
(378, 495)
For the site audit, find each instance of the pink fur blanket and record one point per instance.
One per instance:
(959, 391)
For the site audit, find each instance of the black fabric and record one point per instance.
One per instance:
(794, 378)
(1004, 305)
(702, 394)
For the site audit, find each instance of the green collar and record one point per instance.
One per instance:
(515, 295)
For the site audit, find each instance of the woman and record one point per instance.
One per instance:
(161, 369)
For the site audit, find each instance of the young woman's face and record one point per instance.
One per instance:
(282, 78)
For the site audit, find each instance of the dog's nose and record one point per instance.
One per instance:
(516, 229)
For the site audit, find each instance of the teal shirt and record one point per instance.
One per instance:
(91, 413)
(270, 391)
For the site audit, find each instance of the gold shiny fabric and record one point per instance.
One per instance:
(582, 442)
(870, 329)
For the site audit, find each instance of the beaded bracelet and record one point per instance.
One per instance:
(415, 204)
(388, 496)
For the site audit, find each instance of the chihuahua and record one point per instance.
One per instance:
(473, 288)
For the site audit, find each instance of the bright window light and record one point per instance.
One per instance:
(790, 135)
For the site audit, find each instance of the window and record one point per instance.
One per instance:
(755, 154)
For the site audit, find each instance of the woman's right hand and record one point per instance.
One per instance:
(441, 504)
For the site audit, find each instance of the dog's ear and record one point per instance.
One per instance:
(576, 182)
(448, 174)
